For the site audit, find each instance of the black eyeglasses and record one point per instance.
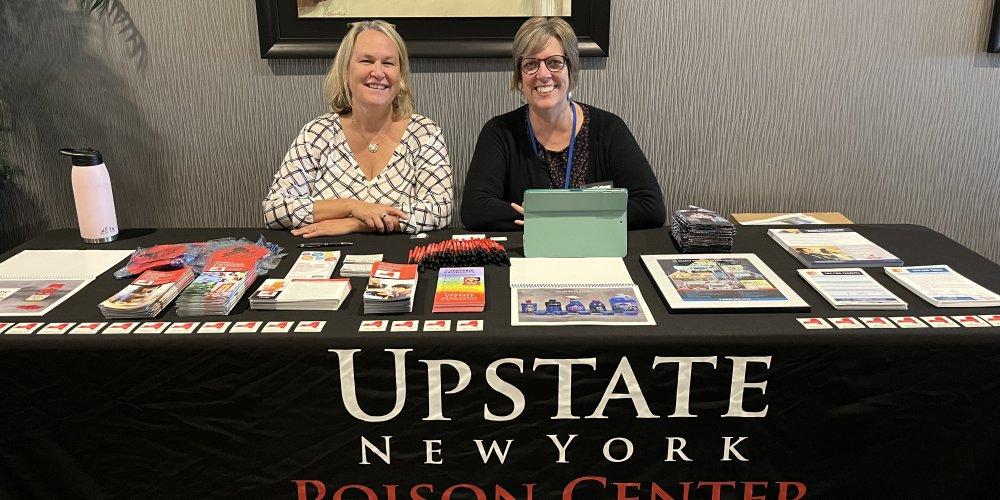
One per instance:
(530, 65)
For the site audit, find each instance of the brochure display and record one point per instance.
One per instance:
(460, 289)
(391, 288)
(148, 294)
(34, 282)
(719, 281)
(314, 265)
(943, 287)
(851, 288)
(301, 294)
(590, 291)
(832, 247)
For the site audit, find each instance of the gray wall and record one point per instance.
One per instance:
(885, 110)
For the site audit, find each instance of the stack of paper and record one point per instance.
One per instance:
(460, 289)
(359, 266)
(943, 287)
(391, 288)
(314, 265)
(301, 294)
(34, 282)
(834, 247)
(148, 295)
(851, 288)
(228, 274)
(698, 230)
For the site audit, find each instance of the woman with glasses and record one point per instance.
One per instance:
(371, 164)
(553, 141)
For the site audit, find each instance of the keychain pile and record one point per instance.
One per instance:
(459, 253)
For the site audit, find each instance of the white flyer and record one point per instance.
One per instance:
(943, 287)
(314, 265)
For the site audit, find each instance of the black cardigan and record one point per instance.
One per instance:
(504, 165)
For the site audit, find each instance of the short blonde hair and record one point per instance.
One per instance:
(337, 91)
(533, 35)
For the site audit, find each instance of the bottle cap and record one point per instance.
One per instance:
(83, 157)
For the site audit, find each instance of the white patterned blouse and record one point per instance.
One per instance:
(320, 166)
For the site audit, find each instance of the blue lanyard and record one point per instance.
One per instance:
(572, 143)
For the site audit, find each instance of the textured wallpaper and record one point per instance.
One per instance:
(888, 111)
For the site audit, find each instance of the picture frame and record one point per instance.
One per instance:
(993, 44)
(284, 35)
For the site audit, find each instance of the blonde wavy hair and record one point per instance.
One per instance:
(336, 90)
(532, 36)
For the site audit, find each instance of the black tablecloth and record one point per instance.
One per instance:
(843, 414)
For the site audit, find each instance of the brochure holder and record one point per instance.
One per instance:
(575, 222)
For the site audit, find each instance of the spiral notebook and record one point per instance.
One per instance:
(34, 282)
(575, 291)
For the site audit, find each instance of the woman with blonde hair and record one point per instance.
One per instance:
(371, 164)
(553, 141)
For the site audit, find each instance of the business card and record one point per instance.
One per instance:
(5, 326)
(214, 327)
(185, 328)
(469, 325)
(24, 328)
(437, 325)
(939, 321)
(309, 326)
(993, 319)
(120, 328)
(56, 328)
(846, 323)
(408, 325)
(877, 322)
(87, 328)
(908, 322)
(245, 327)
(971, 321)
(814, 323)
(277, 326)
(153, 327)
(374, 325)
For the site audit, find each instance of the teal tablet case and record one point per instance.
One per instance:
(575, 222)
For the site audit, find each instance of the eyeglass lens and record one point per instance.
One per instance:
(554, 63)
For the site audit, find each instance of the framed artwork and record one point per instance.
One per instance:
(993, 45)
(431, 28)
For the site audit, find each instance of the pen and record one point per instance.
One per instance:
(322, 245)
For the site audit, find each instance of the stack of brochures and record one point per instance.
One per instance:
(228, 274)
(460, 289)
(697, 230)
(834, 247)
(148, 295)
(943, 287)
(301, 294)
(359, 266)
(391, 288)
(851, 288)
(314, 265)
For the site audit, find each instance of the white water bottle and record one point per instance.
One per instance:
(95, 203)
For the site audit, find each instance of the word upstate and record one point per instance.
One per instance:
(624, 375)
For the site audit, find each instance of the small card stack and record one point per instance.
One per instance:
(148, 295)
(391, 288)
(301, 294)
(460, 289)
(228, 274)
(697, 230)
(359, 266)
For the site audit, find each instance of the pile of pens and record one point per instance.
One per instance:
(459, 253)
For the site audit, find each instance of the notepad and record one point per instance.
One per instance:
(575, 291)
(34, 282)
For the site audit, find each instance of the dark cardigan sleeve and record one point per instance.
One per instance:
(483, 204)
(631, 170)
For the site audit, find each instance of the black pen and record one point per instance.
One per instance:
(322, 245)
